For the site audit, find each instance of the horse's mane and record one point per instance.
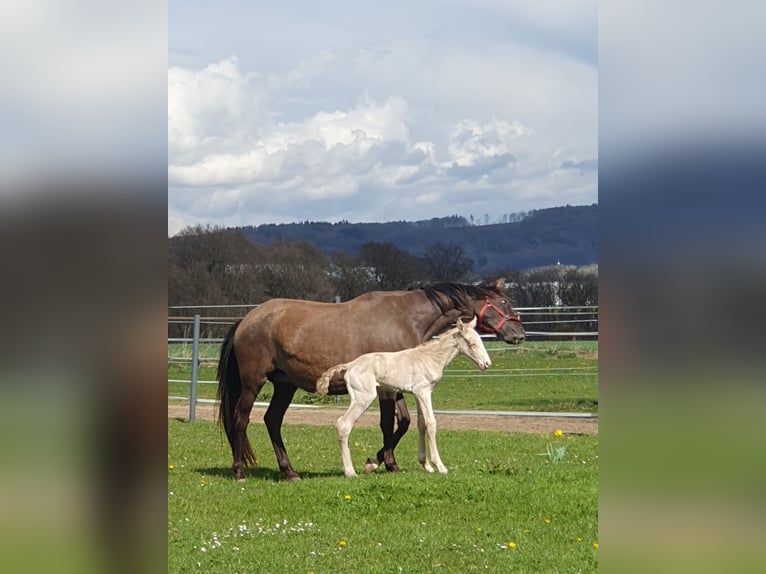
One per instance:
(456, 293)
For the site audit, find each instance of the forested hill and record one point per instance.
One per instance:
(537, 238)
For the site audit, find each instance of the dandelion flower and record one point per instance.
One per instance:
(547, 520)
(511, 545)
(595, 545)
(347, 497)
(579, 540)
(478, 530)
(526, 531)
(342, 543)
(171, 467)
(558, 433)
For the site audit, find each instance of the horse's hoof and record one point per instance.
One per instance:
(293, 478)
(370, 466)
(392, 468)
(241, 479)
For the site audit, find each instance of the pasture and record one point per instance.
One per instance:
(501, 508)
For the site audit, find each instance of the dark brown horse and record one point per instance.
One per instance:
(291, 343)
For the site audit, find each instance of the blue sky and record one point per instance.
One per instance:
(282, 112)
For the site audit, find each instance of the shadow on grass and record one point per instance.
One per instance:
(261, 473)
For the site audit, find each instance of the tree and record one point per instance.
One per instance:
(295, 271)
(208, 265)
(447, 262)
(391, 267)
(350, 276)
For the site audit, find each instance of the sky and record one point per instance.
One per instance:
(362, 111)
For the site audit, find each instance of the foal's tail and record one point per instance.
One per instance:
(323, 384)
(229, 391)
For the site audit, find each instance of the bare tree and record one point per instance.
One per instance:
(447, 262)
(391, 267)
(350, 276)
(295, 271)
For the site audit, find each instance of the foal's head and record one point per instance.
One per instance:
(471, 345)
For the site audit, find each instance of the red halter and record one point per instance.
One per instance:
(496, 329)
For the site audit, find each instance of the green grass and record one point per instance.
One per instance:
(527, 388)
(498, 490)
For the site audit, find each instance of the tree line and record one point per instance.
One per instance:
(217, 266)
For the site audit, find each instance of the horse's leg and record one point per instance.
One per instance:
(360, 401)
(422, 458)
(387, 414)
(240, 447)
(275, 414)
(424, 405)
(385, 455)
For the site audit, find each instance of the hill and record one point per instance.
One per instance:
(538, 238)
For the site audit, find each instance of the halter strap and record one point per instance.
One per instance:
(482, 326)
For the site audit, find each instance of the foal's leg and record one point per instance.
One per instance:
(360, 401)
(424, 406)
(275, 414)
(422, 459)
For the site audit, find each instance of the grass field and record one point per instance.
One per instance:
(536, 376)
(501, 508)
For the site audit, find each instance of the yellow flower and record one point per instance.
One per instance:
(356, 443)
(595, 545)
(558, 433)
(478, 530)
(511, 545)
(171, 467)
(579, 540)
(547, 520)
(526, 531)
(342, 543)
(347, 497)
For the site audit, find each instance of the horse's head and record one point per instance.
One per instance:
(496, 315)
(471, 345)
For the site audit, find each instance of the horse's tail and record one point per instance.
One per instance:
(229, 391)
(323, 384)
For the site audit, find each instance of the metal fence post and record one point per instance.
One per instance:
(337, 300)
(195, 364)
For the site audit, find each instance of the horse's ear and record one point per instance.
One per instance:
(500, 284)
(472, 323)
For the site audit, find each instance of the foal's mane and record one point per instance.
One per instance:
(457, 294)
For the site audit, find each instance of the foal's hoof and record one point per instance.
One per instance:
(293, 478)
(370, 466)
(393, 468)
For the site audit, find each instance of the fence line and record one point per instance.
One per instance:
(197, 320)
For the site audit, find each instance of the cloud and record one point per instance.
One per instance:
(239, 155)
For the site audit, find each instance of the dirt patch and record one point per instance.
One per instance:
(326, 416)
